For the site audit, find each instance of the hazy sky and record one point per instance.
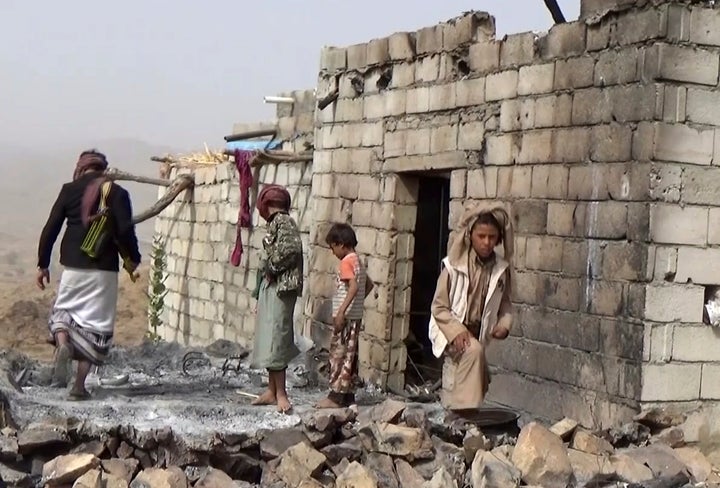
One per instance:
(180, 72)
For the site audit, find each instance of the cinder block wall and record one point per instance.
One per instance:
(209, 298)
(600, 139)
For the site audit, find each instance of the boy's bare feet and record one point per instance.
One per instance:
(283, 404)
(327, 403)
(267, 398)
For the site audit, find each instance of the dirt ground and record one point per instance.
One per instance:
(24, 310)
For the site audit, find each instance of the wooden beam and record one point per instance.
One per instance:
(180, 184)
(116, 174)
(251, 135)
(555, 11)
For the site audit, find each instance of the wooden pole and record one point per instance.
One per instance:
(251, 135)
(555, 11)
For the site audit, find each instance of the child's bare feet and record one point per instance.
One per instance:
(327, 403)
(267, 398)
(283, 404)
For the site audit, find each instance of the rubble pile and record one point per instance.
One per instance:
(392, 444)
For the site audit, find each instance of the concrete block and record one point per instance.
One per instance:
(710, 381)
(417, 142)
(482, 183)
(682, 64)
(699, 185)
(402, 46)
(517, 50)
(536, 79)
(670, 382)
(442, 97)
(347, 109)
(714, 226)
(430, 39)
(501, 86)
(517, 115)
(417, 100)
(549, 181)
(443, 138)
(530, 216)
(378, 52)
(427, 69)
(598, 35)
(574, 257)
(536, 147)
(563, 293)
(636, 103)
(571, 145)
(674, 303)
(611, 143)
(591, 106)
(563, 40)
(624, 261)
(470, 92)
(403, 75)
(333, 59)
(458, 183)
(641, 26)
(574, 73)
(617, 67)
(395, 143)
(683, 144)
(357, 56)
(675, 104)
(702, 106)
(515, 181)
(484, 57)
(606, 220)
(604, 298)
(699, 266)
(502, 150)
(471, 27)
(665, 263)
(544, 253)
(705, 26)
(552, 111)
(471, 136)
(374, 107)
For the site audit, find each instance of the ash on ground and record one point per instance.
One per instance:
(198, 392)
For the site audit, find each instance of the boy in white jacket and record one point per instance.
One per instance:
(472, 304)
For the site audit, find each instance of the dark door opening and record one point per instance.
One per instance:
(431, 239)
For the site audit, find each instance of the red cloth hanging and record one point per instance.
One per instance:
(242, 164)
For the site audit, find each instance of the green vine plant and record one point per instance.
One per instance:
(156, 288)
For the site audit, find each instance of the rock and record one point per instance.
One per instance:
(340, 467)
(14, 477)
(329, 418)
(564, 429)
(587, 466)
(8, 448)
(91, 479)
(160, 478)
(451, 458)
(387, 412)
(125, 450)
(112, 444)
(240, 466)
(298, 463)
(696, 462)
(310, 483)
(383, 468)
(396, 440)
(490, 471)
(146, 461)
(672, 436)
(319, 439)
(350, 450)
(215, 478)
(586, 442)
(632, 434)
(42, 437)
(124, 469)
(276, 442)
(504, 452)
(112, 481)
(629, 469)
(441, 479)
(415, 416)
(66, 469)
(541, 457)
(473, 442)
(407, 476)
(661, 460)
(356, 476)
(96, 448)
(657, 418)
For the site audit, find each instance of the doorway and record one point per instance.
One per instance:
(431, 240)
